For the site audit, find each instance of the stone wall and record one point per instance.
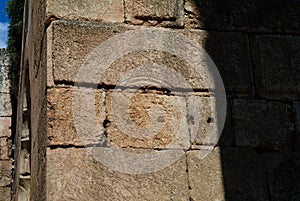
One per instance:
(6, 162)
(77, 124)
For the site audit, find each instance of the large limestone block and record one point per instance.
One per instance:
(147, 120)
(5, 105)
(76, 50)
(64, 112)
(71, 42)
(226, 174)
(230, 53)
(95, 10)
(72, 174)
(137, 11)
(5, 173)
(244, 15)
(276, 60)
(261, 125)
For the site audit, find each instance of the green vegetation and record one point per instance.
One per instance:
(15, 10)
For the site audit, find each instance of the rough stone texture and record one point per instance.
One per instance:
(5, 106)
(4, 71)
(216, 176)
(72, 42)
(261, 125)
(230, 53)
(5, 173)
(244, 15)
(283, 176)
(207, 129)
(5, 194)
(61, 125)
(95, 10)
(5, 124)
(80, 177)
(277, 70)
(5, 148)
(147, 120)
(138, 11)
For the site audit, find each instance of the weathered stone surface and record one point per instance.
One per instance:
(149, 120)
(230, 53)
(277, 69)
(5, 173)
(102, 11)
(61, 124)
(81, 177)
(72, 42)
(5, 124)
(283, 176)
(207, 129)
(4, 70)
(5, 194)
(5, 148)
(5, 106)
(227, 174)
(137, 11)
(245, 15)
(261, 125)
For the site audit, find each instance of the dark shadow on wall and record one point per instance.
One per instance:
(256, 46)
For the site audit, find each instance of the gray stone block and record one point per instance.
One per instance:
(261, 125)
(244, 15)
(276, 64)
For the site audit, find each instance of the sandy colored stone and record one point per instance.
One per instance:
(102, 11)
(145, 10)
(276, 60)
(5, 106)
(72, 42)
(5, 148)
(5, 194)
(5, 173)
(261, 125)
(226, 174)
(61, 124)
(73, 174)
(148, 120)
(5, 124)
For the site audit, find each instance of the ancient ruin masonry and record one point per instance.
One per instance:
(255, 47)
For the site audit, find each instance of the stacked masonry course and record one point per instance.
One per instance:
(6, 161)
(254, 44)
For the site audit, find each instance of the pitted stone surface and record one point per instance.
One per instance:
(80, 177)
(137, 11)
(5, 173)
(61, 128)
(152, 120)
(102, 11)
